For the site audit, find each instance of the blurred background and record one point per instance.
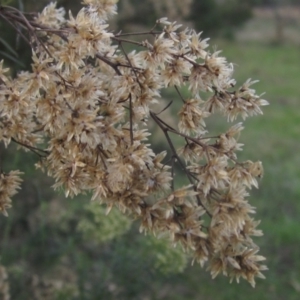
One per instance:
(57, 248)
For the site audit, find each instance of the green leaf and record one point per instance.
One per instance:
(8, 47)
(12, 58)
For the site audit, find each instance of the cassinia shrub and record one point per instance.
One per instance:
(85, 107)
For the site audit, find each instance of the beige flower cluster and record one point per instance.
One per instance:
(84, 110)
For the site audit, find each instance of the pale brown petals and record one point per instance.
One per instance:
(212, 175)
(173, 73)
(192, 117)
(197, 45)
(250, 267)
(119, 177)
(244, 102)
(9, 184)
(160, 52)
(52, 16)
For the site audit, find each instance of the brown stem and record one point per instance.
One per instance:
(111, 64)
(178, 92)
(31, 148)
(130, 119)
(134, 71)
(138, 33)
(165, 130)
(128, 41)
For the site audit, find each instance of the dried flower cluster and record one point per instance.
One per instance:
(84, 110)
(9, 184)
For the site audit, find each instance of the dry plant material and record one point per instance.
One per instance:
(85, 107)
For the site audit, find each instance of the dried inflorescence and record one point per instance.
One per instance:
(85, 107)
(9, 184)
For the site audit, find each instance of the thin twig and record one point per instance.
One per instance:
(111, 64)
(130, 119)
(138, 33)
(134, 71)
(15, 27)
(178, 92)
(128, 41)
(165, 131)
(166, 107)
(31, 148)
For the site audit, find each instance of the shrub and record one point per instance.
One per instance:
(85, 108)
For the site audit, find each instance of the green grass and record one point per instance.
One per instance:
(276, 67)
